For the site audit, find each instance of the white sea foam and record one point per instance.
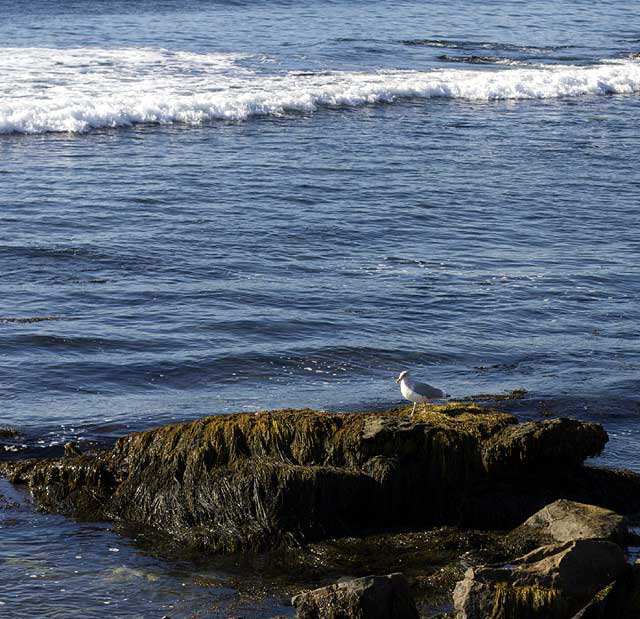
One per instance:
(75, 90)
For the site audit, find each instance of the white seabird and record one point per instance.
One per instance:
(417, 392)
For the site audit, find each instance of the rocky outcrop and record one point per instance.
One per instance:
(371, 597)
(552, 582)
(563, 521)
(258, 481)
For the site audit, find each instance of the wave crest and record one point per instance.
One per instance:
(71, 92)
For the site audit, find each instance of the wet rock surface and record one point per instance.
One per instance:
(553, 582)
(245, 481)
(432, 560)
(370, 597)
(314, 497)
(260, 481)
(563, 521)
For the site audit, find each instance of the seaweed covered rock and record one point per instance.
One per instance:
(553, 582)
(540, 445)
(257, 481)
(80, 486)
(370, 597)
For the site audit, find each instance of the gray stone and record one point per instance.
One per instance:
(553, 582)
(564, 521)
(371, 597)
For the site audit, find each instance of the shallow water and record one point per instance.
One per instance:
(55, 567)
(213, 207)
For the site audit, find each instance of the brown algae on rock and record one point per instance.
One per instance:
(252, 482)
(298, 498)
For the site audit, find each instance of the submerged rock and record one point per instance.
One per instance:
(8, 432)
(258, 481)
(370, 597)
(553, 582)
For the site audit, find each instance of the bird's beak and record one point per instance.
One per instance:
(398, 379)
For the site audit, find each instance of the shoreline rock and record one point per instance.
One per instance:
(370, 597)
(564, 521)
(324, 495)
(553, 581)
(253, 482)
(577, 551)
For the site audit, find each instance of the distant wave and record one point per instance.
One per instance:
(79, 90)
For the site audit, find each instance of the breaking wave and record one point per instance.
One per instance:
(77, 90)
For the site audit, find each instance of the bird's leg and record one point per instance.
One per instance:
(414, 409)
(425, 407)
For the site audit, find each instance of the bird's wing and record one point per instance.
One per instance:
(427, 390)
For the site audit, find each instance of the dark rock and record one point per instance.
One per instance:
(8, 432)
(540, 445)
(371, 597)
(253, 482)
(433, 560)
(619, 600)
(553, 582)
(79, 486)
(615, 490)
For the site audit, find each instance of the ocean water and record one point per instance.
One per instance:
(209, 207)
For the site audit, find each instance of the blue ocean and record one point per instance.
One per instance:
(219, 206)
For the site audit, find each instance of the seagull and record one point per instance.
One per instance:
(417, 392)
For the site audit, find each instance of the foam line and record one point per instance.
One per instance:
(80, 90)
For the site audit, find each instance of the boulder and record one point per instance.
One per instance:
(253, 482)
(371, 597)
(619, 600)
(564, 521)
(553, 582)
